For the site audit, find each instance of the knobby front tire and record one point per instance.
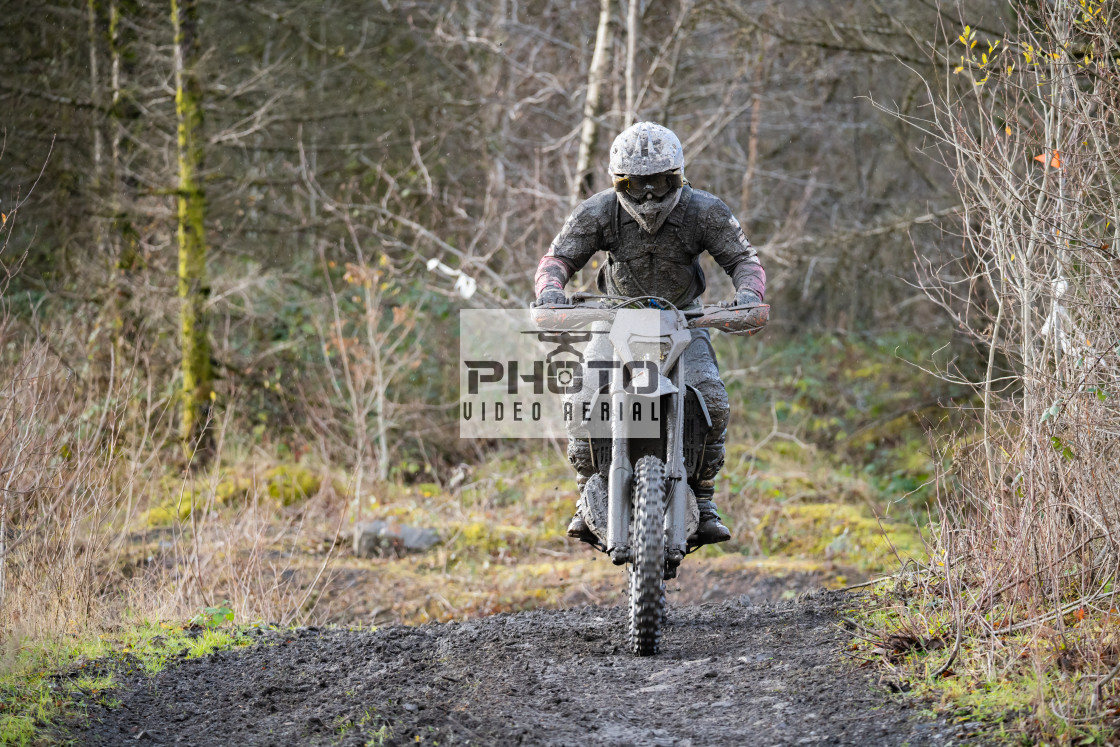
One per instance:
(647, 533)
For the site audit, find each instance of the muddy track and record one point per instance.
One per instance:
(728, 674)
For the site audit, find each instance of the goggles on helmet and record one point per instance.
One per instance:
(639, 185)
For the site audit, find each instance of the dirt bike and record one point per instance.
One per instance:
(643, 512)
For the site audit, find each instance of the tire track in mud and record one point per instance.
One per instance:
(728, 674)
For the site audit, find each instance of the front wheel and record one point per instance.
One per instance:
(647, 538)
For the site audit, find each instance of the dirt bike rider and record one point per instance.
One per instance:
(653, 226)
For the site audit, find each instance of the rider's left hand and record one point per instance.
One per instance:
(747, 298)
(551, 297)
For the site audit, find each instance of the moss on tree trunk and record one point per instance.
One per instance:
(197, 394)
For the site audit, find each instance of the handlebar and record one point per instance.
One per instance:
(736, 320)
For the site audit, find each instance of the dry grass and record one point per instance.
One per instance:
(1025, 560)
(82, 475)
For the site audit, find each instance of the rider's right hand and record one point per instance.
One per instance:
(552, 297)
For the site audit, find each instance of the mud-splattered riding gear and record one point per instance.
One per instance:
(747, 298)
(648, 150)
(665, 263)
(551, 297)
(653, 231)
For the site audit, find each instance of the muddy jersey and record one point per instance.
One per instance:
(665, 263)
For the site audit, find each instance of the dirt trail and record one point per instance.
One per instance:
(728, 674)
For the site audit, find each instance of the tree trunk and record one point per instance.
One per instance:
(193, 291)
(121, 240)
(631, 49)
(95, 99)
(102, 354)
(593, 105)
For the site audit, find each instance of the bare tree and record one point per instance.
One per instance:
(1026, 122)
(631, 52)
(593, 103)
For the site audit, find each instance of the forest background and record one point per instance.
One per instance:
(235, 238)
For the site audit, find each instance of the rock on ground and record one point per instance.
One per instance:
(728, 675)
(382, 538)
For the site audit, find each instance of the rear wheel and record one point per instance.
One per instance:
(647, 538)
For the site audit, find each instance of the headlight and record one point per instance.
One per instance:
(647, 349)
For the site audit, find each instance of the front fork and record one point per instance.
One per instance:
(676, 515)
(619, 479)
(621, 474)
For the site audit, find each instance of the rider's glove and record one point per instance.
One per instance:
(747, 298)
(551, 297)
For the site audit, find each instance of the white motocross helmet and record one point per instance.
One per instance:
(647, 168)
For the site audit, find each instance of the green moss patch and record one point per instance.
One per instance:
(45, 685)
(842, 533)
(1031, 687)
(282, 485)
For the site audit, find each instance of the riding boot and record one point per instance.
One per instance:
(711, 530)
(577, 527)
